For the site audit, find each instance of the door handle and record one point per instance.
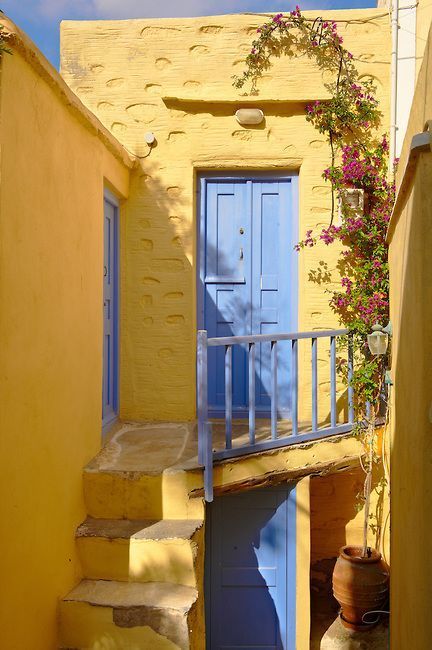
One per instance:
(105, 271)
(241, 253)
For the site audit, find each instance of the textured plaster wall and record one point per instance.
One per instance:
(410, 240)
(53, 166)
(423, 23)
(337, 513)
(173, 77)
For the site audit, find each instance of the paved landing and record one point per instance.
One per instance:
(155, 447)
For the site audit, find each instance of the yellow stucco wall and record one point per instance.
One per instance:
(423, 23)
(123, 70)
(410, 239)
(53, 164)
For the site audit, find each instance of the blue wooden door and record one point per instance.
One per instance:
(250, 571)
(110, 357)
(249, 280)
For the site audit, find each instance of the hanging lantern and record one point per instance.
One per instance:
(355, 199)
(378, 340)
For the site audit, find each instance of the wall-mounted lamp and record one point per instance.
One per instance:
(378, 339)
(249, 116)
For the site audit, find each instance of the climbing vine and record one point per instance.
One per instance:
(350, 119)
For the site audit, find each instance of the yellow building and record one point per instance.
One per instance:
(410, 277)
(96, 220)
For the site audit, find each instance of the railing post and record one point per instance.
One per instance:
(294, 386)
(314, 384)
(274, 390)
(252, 393)
(228, 396)
(208, 464)
(333, 381)
(350, 378)
(202, 395)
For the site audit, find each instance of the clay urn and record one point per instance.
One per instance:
(360, 585)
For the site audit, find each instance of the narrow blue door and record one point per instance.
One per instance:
(249, 279)
(110, 358)
(250, 569)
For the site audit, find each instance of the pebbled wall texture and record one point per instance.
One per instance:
(174, 77)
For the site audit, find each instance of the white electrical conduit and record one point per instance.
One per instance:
(394, 75)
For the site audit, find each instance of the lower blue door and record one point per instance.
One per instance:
(250, 571)
(110, 357)
(248, 273)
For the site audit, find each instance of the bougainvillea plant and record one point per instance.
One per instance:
(350, 119)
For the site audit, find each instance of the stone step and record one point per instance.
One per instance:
(141, 550)
(128, 616)
(114, 494)
(141, 474)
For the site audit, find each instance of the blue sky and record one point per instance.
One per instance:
(41, 18)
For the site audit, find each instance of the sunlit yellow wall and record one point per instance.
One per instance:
(53, 165)
(410, 240)
(122, 70)
(337, 513)
(423, 23)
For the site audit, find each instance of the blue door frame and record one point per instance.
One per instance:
(247, 281)
(251, 571)
(110, 310)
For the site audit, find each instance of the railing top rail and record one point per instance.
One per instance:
(265, 338)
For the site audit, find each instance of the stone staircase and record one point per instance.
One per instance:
(142, 544)
(141, 549)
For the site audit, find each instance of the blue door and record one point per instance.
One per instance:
(249, 280)
(110, 293)
(250, 571)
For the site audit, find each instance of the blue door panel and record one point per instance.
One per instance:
(249, 230)
(109, 385)
(251, 571)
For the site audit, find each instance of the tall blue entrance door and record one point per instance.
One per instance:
(110, 293)
(251, 572)
(248, 274)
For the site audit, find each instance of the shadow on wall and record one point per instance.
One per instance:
(157, 317)
(228, 316)
(250, 583)
(158, 314)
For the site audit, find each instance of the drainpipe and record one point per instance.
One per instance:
(394, 74)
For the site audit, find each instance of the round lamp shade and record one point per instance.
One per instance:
(377, 341)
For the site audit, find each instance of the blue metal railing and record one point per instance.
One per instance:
(207, 455)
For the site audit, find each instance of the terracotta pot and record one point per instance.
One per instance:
(360, 585)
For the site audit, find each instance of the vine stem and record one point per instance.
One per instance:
(332, 186)
(368, 486)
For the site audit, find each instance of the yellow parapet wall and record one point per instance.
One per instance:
(174, 77)
(54, 159)
(410, 244)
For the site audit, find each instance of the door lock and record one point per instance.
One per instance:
(241, 231)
